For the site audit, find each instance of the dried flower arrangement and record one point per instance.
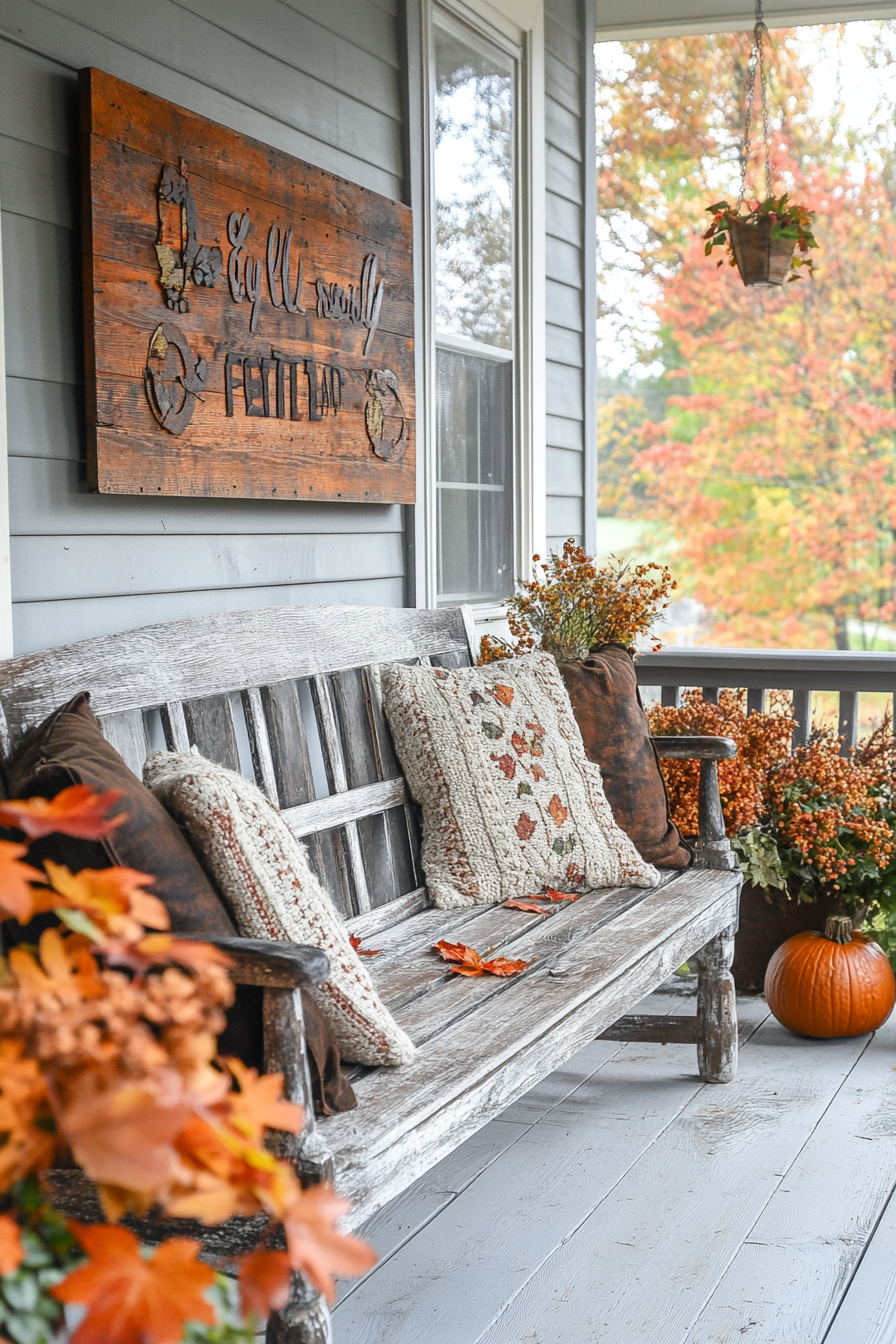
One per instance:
(576, 605)
(108, 1062)
(803, 821)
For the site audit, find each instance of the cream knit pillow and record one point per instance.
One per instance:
(510, 803)
(262, 872)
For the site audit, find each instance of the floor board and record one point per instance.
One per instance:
(486, 1244)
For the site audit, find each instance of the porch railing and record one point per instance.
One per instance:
(800, 671)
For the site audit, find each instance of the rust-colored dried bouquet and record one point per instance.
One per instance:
(576, 606)
(762, 740)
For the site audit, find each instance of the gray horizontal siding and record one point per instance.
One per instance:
(565, 472)
(570, 233)
(321, 79)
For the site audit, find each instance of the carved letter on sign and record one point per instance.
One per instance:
(249, 317)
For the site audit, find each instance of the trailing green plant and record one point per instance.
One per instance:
(789, 222)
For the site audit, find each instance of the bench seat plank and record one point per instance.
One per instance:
(408, 1118)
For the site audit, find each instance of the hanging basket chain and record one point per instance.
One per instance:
(756, 64)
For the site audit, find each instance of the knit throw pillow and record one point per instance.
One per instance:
(263, 874)
(510, 801)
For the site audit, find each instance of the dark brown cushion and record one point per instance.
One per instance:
(69, 748)
(605, 700)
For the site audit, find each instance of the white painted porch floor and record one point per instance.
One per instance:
(624, 1202)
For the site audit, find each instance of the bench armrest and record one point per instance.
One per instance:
(259, 961)
(695, 748)
(712, 849)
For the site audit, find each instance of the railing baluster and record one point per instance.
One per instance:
(711, 695)
(757, 699)
(670, 696)
(848, 726)
(802, 712)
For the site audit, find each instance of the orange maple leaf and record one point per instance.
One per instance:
(124, 1136)
(363, 951)
(25, 1115)
(12, 1252)
(259, 1104)
(78, 811)
(16, 893)
(114, 897)
(553, 895)
(316, 1247)
(264, 1283)
(531, 907)
(558, 812)
(135, 1300)
(466, 961)
(66, 968)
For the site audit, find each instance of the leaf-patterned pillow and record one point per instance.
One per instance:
(510, 803)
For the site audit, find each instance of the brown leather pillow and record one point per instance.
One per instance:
(68, 748)
(605, 700)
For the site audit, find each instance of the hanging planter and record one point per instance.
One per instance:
(761, 240)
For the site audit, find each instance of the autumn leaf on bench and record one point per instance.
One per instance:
(531, 907)
(467, 961)
(363, 951)
(552, 894)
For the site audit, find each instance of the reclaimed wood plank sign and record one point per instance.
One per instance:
(249, 318)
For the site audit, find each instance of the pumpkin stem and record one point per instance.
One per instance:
(838, 928)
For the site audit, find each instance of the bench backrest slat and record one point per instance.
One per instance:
(282, 694)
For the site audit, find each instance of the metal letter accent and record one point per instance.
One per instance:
(173, 378)
(178, 252)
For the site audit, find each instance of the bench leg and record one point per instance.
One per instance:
(304, 1320)
(717, 1010)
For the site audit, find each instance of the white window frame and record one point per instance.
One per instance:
(520, 23)
(6, 640)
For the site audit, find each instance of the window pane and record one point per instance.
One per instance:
(474, 443)
(474, 190)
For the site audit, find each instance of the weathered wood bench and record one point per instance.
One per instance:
(283, 695)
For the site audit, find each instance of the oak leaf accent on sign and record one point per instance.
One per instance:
(467, 961)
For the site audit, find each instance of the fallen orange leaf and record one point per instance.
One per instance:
(531, 907)
(264, 1283)
(16, 893)
(316, 1247)
(78, 811)
(12, 1252)
(466, 961)
(363, 951)
(133, 1300)
(553, 895)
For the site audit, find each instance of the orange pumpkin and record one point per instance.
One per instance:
(836, 983)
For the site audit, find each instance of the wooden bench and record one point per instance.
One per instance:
(283, 695)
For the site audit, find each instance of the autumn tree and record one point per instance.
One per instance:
(773, 463)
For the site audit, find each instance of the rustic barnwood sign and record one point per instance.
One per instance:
(249, 318)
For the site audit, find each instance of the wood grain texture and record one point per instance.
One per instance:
(213, 655)
(249, 318)
(817, 1252)
(669, 1228)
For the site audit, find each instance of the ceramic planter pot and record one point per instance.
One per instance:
(764, 927)
(761, 259)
